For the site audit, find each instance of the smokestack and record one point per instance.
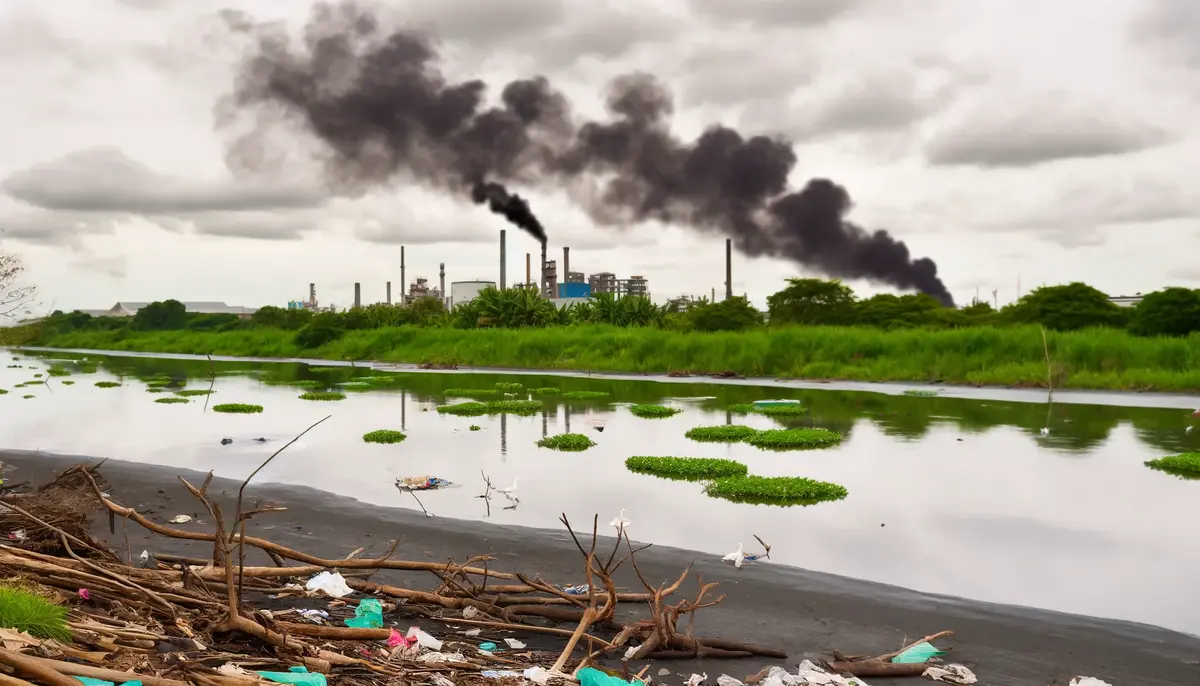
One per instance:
(544, 260)
(503, 261)
(528, 274)
(389, 292)
(566, 272)
(357, 294)
(728, 268)
(442, 282)
(312, 292)
(403, 283)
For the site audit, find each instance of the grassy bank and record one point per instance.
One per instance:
(1092, 358)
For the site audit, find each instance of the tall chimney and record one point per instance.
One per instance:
(528, 274)
(389, 292)
(503, 261)
(357, 294)
(566, 272)
(442, 282)
(403, 283)
(728, 268)
(544, 285)
(312, 293)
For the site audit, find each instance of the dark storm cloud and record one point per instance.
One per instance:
(387, 115)
(106, 180)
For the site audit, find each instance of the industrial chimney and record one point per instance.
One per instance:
(545, 286)
(528, 274)
(728, 268)
(312, 293)
(389, 292)
(403, 283)
(566, 271)
(503, 261)
(357, 294)
(442, 282)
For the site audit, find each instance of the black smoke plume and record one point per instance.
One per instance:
(384, 111)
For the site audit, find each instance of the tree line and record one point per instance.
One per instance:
(803, 302)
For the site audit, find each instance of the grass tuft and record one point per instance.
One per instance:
(566, 442)
(685, 468)
(171, 400)
(237, 408)
(775, 490)
(653, 411)
(794, 439)
(724, 433)
(323, 395)
(384, 436)
(33, 614)
(1185, 464)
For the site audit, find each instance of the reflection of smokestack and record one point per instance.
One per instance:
(389, 292)
(403, 283)
(528, 274)
(728, 268)
(442, 282)
(566, 272)
(503, 261)
(357, 294)
(544, 260)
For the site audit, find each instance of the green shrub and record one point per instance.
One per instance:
(171, 400)
(107, 384)
(384, 436)
(794, 439)
(322, 395)
(237, 408)
(1185, 464)
(775, 490)
(724, 433)
(24, 611)
(585, 395)
(654, 411)
(194, 392)
(566, 442)
(685, 468)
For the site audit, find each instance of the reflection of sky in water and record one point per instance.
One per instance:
(1072, 522)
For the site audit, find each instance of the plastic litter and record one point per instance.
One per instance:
(84, 593)
(422, 483)
(368, 615)
(537, 675)
(514, 643)
(88, 681)
(16, 534)
(918, 654)
(808, 674)
(298, 676)
(951, 674)
(470, 612)
(396, 640)
(181, 519)
(696, 679)
(1090, 680)
(590, 676)
(726, 680)
(314, 616)
(144, 557)
(472, 632)
(488, 647)
(581, 589)
(423, 639)
(498, 674)
(331, 584)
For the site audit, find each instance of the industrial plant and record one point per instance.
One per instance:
(576, 286)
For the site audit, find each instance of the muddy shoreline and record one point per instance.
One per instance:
(1180, 400)
(805, 613)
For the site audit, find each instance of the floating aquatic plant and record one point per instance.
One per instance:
(686, 468)
(473, 393)
(356, 386)
(237, 408)
(322, 395)
(920, 393)
(775, 490)
(467, 409)
(27, 397)
(724, 433)
(509, 387)
(67, 382)
(37, 376)
(384, 436)
(794, 439)
(545, 390)
(57, 371)
(585, 395)
(3, 391)
(1185, 464)
(107, 384)
(156, 390)
(566, 442)
(171, 400)
(474, 427)
(654, 411)
(475, 409)
(193, 392)
(782, 410)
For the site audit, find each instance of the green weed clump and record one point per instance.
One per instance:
(156, 390)
(566, 442)
(473, 393)
(775, 490)
(724, 433)
(794, 439)
(741, 408)
(384, 436)
(37, 376)
(1185, 464)
(194, 392)
(25, 611)
(67, 382)
(788, 410)
(544, 390)
(237, 408)
(107, 384)
(509, 387)
(356, 386)
(686, 468)
(58, 371)
(917, 393)
(171, 400)
(474, 427)
(467, 409)
(3, 391)
(28, 397)
(653, 411)
(585, 395)
(476, 409)
(322, 395)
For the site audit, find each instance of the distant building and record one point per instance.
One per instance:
(607, 282)
(127, 308)
(1125, 300)
(602, 282)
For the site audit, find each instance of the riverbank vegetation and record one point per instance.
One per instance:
(1185, 464)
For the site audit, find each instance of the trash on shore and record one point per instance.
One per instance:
(130, 619)
(740, 556)
(951, 674)
(910, 660)
(422, 483)
(180, 519)
(1087, 680)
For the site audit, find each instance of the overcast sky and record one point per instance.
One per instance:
(1005, 139)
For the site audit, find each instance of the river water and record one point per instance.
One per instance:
(948, 495)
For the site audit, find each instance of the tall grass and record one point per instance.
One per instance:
(25, 611)
(1093, 358)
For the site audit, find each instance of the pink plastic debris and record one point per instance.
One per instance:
(85, 594)
(397, 639)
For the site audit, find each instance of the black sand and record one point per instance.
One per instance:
(805, 613)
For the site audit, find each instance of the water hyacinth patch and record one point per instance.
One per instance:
(585, 395)
(1185, 465)
(509, 387)
(653, 411)
(724, 433)
(476, 409)
(322, 396)
(3, 391)
(67, 382)
(473, 393)
(27, 397)
(685, 468)
(566, 442)
(172, 400)
(193, 392)
(545, 390)
(237, 408)
(474, 427)
(775, 490)
(468, 409)
(794, 439)
(356, 386)
(384, 436)
(784, 410)
(57, 371)
(107, 384)
(156, 390)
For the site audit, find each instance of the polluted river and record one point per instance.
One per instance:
(1040, 504)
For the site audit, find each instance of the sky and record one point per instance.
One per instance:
(1013, 143)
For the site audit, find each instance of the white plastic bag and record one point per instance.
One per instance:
(331, 584)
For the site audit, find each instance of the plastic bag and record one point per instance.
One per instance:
(368, 615)
(589, 676)
(298, 676)
(331, 584)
